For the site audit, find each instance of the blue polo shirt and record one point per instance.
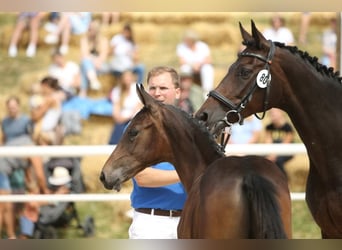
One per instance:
(170, 197)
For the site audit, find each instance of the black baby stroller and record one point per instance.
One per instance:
(61, 214)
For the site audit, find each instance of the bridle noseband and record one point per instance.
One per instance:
(262, 81)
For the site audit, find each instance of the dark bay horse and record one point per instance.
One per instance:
(269, 74)
(228, 197)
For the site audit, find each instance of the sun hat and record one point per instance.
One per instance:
(60, 176)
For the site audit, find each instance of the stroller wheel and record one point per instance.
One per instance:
(89, 226)
(47, 232)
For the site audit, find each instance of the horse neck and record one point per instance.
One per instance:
(313, 102)
(192, 153)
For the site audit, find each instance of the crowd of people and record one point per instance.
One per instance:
(156, 189)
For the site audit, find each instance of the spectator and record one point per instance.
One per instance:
(126, 104)
(16, 129)
(158, 196)
(70, 23)
(94, 52)
(247, 133)
(329, 44)
(46, 111)
(278, 32)
(279, 131)
(46, 212)
(24, 19)
(68, 74)
(304, 26)
(108, 18)
(125, 54)
(191, 97)
(195, 57)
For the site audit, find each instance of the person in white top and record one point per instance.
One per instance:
(278, 32)
(195, 56)
(126, 104)
(125, 54)
(67, 73)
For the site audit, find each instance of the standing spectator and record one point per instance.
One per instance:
(247, 133)
(195, 57)
(158, 196)
(329, 44)
(16, 128)
(24, 19)
(126, 104)
(70, 23)
(125, 54)
(94, 53)
(46, 113)
(279, 131)
(67, 73)
(278, 32)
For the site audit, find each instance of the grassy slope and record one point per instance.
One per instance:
(157, 34)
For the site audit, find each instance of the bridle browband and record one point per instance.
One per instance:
(235, 109)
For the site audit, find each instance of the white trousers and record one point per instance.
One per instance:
(146, 226)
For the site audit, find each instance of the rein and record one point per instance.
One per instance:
(263, 80)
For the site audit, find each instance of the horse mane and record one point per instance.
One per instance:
(196, 124)
(313, 60)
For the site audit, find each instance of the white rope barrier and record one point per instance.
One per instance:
(87, 197)
(106, 150)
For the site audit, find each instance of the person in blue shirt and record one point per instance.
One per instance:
(158, 196)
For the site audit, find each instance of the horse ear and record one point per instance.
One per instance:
(245, 35)
(144, 97)
(257, 35)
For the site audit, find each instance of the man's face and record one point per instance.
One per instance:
(161, 88)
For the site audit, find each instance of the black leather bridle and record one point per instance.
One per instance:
(235, 109)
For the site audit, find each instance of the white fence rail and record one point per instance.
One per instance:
(106, 150)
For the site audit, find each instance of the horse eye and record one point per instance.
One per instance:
(244, 73)
(133, 133)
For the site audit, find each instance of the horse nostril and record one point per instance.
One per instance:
(102, 177)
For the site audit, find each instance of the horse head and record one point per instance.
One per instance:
(245, 89)
(130, 155)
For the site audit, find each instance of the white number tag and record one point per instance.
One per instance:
(263, 78)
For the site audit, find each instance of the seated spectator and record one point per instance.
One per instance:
(67, 73)
(191, 97)
(125, 54)
(46, 111)
(278, 32)
(126, 104)
(279, 131)
(16, 128)
(196, 94)
(70, 23)
(94, 53)
(45, 212)
(247, 133)
(108, 18)
(329, 44)
(24, 20)
(195, 56)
